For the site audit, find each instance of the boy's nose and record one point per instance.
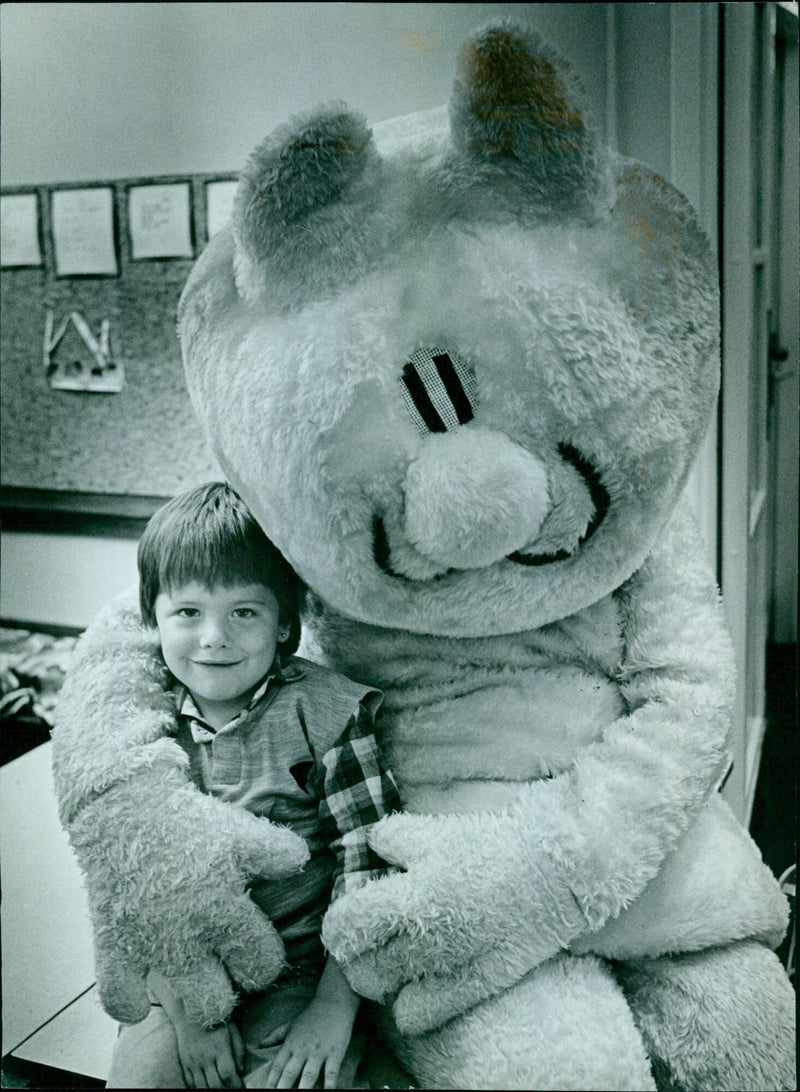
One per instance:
(212, 634)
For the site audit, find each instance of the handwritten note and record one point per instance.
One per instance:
(219, 204)
(159, 221)
(83, 231)
(19, 230)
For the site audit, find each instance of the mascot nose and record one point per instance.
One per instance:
(472, 496)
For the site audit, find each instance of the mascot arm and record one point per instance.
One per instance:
(113, 711)
(483, 898)
(165, 865)
(632, 795)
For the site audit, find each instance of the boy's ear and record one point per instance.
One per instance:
(288, 635)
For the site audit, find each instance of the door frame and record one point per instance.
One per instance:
(747, 143)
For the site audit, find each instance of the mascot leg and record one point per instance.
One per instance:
(719, 1019)
(566, 1025)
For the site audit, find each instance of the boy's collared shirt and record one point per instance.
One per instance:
(262, 759)
(201, 730)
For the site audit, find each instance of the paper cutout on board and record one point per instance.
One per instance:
(19, 230)
(219, 204)
(76, 360)
(159, 221)
(83, 231)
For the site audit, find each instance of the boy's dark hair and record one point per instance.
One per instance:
(209, 535)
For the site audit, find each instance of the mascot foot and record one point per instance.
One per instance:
(566, 1025)
(715, 1020)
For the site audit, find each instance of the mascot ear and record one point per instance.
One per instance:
(517, 105)
(302, 195)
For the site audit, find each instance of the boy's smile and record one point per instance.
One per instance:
(219, 642)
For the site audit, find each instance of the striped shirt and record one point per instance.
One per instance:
(304, 754)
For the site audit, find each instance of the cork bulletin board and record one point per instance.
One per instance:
(96, 425)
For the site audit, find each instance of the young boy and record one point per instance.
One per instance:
(285, 738)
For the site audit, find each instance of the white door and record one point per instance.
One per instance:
(749, 149)
(784, 422)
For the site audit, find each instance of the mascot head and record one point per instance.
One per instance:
(459, 367)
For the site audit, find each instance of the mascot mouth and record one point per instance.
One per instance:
(381, 548)
(600, 500)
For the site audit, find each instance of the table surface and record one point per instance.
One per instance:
(49, 1006)
(79, 1039)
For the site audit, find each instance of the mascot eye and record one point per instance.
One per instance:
(439, 390)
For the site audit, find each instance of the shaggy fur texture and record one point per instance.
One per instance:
(698, 1019)
(574, 906)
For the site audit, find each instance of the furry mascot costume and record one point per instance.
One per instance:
(460, 371)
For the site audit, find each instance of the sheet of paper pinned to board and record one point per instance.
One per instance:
(219, 204)
(159, 220)
(83, 231)
(19, 230)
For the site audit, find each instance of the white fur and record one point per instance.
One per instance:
(468, 471)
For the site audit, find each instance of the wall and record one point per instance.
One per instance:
(662, 64)
(62, 580)
(111, 90)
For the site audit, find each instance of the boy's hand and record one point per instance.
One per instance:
(316, 1041)
(315, 1044)
(210, 1058)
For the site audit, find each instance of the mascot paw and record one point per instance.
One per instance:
(431, 918)
(202, 982)
(123, 991)
(253, 951)
(207, 993)
(268, 850)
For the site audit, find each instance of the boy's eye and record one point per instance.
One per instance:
(187, 612)
(244, 612)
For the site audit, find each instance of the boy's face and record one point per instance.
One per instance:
(219, 642)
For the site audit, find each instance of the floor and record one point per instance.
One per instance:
(773, 827)
(19, 1074)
